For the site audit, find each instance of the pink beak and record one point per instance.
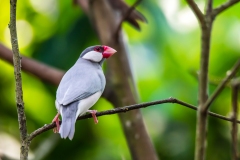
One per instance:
(108, 52)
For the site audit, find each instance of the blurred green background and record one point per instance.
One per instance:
(165, 61)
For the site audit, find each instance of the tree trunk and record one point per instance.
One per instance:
(120, 84)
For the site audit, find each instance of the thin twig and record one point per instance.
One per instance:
(212, 80)
(196, 11)
(223, 7)
(18, 80)
(127, 14)
(234, 131)
(221, 86)
(126, 109)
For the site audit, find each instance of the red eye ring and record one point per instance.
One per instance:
(98, 49)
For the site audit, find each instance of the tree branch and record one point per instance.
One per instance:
(234, 132)
(18, 81)
(201, 130)
(221, 86)
(106, 18)
(206, 27)
(47, 127)
(38, 69)
(223, 7)
(127, 14)
(209, 7)
(212, 80)
(196, 11)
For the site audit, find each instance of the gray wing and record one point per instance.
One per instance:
(79, 83)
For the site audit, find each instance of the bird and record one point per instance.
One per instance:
(80, 88)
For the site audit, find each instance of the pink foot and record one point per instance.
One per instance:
(93, 112)
(56, 120)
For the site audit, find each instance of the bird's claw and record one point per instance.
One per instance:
(93, 112)
(56, 120)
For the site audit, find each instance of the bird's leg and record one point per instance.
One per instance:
(56, 120)
(93, 112)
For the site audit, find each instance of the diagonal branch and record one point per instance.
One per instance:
(196, 11)
(18, 81)
(38, 69)
(47, 127)
(223, 7)
(221, 86)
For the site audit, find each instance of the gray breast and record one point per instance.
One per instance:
(82, 80)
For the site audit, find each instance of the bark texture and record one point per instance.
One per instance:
(122, 90)
(18, 82)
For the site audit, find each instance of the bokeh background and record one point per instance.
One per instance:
(165, 60)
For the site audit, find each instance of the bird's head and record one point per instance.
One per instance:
(97, 53)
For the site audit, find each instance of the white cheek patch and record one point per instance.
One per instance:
(93, 56)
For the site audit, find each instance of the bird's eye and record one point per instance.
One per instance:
(98, 49)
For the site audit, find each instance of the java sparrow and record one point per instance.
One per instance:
(80, 88)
